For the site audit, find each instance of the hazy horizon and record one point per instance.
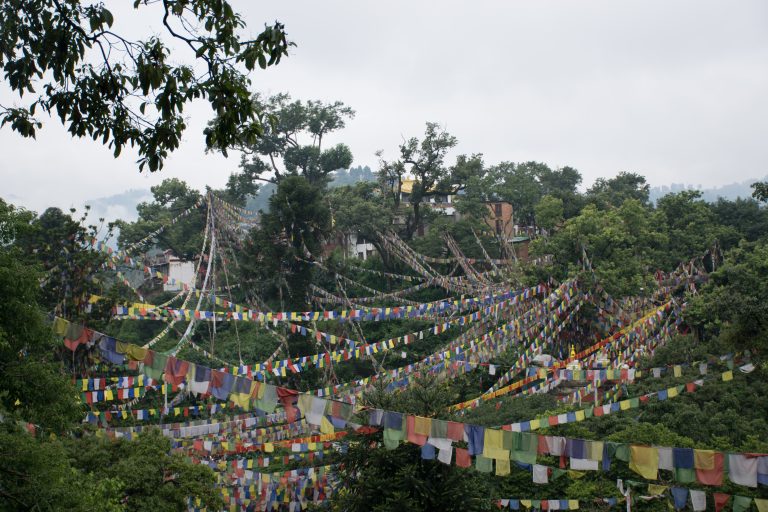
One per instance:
(672, 91)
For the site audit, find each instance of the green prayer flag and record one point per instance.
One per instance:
(439, 428)
(741, 503)
(393, 437)
(483, 464)
(685, 476)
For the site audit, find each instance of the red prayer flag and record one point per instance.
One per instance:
(720, 500)
(463, 460)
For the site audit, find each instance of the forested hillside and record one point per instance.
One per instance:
(653, 315)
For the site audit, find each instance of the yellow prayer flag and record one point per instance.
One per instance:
(493, 445)
(727, 375)
(502, 467)
(624, 405)
(672, 392)
(704, 459)
(269, 447)
(595, 450)
(526, 503)
(326, 427)
(677, 370)
(535, 424)
(422, 425)
(644, 460)
(656, 490)
(573, 504)
(580, 416)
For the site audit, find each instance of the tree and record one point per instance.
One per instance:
(473, 202)
(735, 301)
(240, 186)
(276, 252)
(623, 245)
(106, 86)
(379, 479)
(293, 121)
(748, 220)
(36, 467)
(524, 184)
(26, 341)
(549, 212)
(62, 247)
(170, 198)
(612, 192)
(361, 209)
(562, 184)
(760, 191)
(519, 185)
(149, 478)
(424, 161)
(690, 224)
(36, 474)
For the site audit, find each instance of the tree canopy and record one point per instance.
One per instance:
(292, 145)
(423, 162)
(106, 86)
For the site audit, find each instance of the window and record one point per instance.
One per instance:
(497, 209)
(499, 226)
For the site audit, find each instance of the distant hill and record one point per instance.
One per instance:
(123, 205)
(341, 178)
(732, 191)
(119, 206)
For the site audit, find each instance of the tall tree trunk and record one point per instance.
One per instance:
(412, 222)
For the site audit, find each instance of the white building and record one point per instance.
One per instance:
(359, 247)
(180, 273)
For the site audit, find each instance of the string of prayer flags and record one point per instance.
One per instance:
(550, 504)
(360, 314)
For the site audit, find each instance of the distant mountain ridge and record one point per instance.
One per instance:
(118, 206)
(123, 206)
(731, 191)
(340, 178)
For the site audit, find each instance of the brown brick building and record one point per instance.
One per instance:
(500, 219)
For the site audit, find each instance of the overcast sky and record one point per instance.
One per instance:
(675, 91)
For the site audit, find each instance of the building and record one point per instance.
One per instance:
(359, 247)
(442, 202)
(179, 272)
(352, 245)
(500, 219)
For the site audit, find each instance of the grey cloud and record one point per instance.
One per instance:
(673, 90)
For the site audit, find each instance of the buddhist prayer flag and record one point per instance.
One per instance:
(644, 460)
